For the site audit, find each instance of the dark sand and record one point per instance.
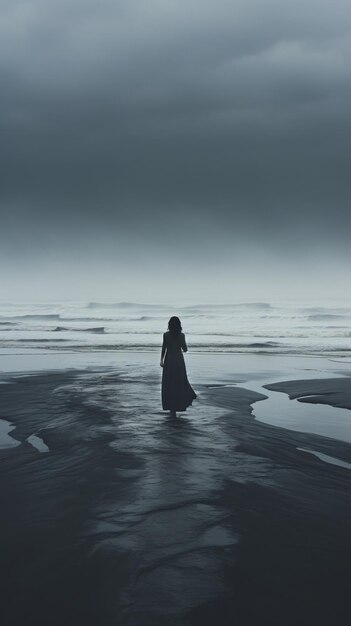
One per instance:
(333, 391)
(135, 519)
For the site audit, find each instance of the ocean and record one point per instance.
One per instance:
(243, 327)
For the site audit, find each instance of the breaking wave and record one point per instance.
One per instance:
(100, 330)
(321, 317)
(124, 305)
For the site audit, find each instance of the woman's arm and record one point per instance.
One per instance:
(184, 346)
(163, 351)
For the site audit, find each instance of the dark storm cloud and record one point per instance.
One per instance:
(123, 114)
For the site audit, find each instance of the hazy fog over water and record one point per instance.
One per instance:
(175, 150)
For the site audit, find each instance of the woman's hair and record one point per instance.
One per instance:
(174, 326)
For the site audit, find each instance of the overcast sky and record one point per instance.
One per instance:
(153, 148)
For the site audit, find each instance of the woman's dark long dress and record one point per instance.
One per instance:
(177, 393)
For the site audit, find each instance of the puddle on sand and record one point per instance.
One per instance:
(6, 441)
(38, 443)
(319, 419)
(326, 458)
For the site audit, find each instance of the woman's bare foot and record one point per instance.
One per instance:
(173, 414)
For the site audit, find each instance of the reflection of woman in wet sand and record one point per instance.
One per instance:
(177, 393)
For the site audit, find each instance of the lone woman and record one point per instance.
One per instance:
(177, 393)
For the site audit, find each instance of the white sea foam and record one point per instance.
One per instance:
(276, 327)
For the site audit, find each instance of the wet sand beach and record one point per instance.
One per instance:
(113, 513)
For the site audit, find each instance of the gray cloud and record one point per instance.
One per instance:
(203, 122)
